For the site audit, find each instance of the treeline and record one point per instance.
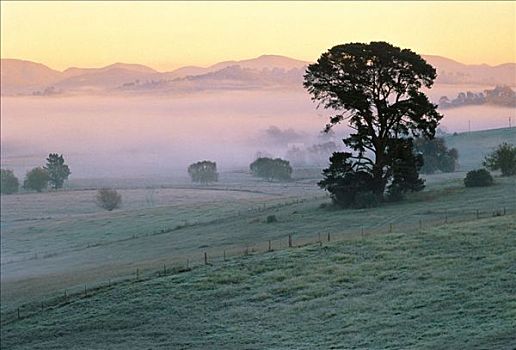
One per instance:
(499, 96)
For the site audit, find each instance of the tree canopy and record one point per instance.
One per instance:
(502, 158)
(36, 179)
(9, 182)
(436, 155)
(57, 170)
(203, 172)
(376, 88)
(271, 169)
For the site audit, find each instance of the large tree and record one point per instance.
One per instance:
(376, 87)
(57, 170)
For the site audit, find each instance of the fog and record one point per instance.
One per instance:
(160, 135)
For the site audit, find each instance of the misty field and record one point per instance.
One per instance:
(450, 286)
(53, 242)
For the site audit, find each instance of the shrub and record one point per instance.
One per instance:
(478, 178)
(9, 182)
(36, 179)
(271, 218)
(109, 199)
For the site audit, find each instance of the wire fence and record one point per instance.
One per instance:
(209, 257)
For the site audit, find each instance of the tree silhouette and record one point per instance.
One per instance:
(57, 170)
(376, 88)
(36, 179)
(203, 172)
(271, 169)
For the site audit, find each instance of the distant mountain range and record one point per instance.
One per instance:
(19, 77)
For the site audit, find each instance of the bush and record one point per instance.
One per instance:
(271, 218)
(36, 179)
(109, 199)
(9, 182)
(478, 178)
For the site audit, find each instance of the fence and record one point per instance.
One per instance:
(210, 257)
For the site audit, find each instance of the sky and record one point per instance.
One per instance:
(167, 35)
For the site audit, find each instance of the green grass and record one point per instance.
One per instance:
(42, 258)
(447, 287)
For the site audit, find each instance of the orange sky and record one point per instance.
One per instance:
(166, 35)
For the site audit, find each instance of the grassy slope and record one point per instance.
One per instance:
(451, 287)
(474, 146)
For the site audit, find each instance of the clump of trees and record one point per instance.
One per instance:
(203, 172)
(436, 155)
(57, 170)
(8, 182)
(376, 88)
(478, 178)
(36, 179)
(108, 199)
(502, 158)
(271, 169)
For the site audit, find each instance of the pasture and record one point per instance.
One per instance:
(450, 286)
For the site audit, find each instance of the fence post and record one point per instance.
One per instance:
(328, 236)
(224, 255)
(390, 227)
(205, 258)
(18, 313)
(85, 291)
(270, 246)
(289, 240)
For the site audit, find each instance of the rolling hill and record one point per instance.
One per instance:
(25, 77)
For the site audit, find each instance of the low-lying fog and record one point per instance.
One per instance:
(160, 135)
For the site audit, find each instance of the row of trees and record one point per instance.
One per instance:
(53, 174)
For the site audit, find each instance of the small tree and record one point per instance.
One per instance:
(478, 178)
(36, 179)
(57, 170)
(203, 172)
(503, 158)
(9, 182)
(109, 199)
(271, 169)
(436, 155)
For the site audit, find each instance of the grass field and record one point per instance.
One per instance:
(46, 256)
(61, 241)
(447, 287)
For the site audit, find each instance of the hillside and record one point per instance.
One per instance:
(446, 287)
(474, 146)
